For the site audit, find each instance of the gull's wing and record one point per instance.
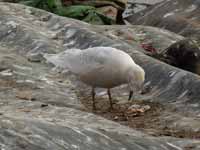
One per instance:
(62, 59)
(79, 61)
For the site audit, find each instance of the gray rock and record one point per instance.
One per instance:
(184, 54)
(179, 16)
(134, 6)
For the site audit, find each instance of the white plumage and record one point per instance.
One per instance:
(104, 67)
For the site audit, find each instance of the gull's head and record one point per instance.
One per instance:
(136, 77)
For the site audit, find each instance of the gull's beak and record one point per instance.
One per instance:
(130, 95)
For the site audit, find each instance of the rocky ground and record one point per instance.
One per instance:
(45, 108)
(179, 16)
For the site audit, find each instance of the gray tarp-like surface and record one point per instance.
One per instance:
(179, 16)
(27, 85)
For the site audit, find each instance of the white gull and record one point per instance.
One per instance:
(104, 67)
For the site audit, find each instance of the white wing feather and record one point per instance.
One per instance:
(78, 61)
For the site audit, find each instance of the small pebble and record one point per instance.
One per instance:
(44, 105)
(116, 118)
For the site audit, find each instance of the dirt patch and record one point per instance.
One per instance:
(150, 121)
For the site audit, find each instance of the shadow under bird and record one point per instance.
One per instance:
(104, 67)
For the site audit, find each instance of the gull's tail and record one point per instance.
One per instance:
(61, 59)
(53, 58)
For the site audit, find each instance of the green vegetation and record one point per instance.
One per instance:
(82, 12)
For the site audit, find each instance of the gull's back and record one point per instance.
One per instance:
(98, 66)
